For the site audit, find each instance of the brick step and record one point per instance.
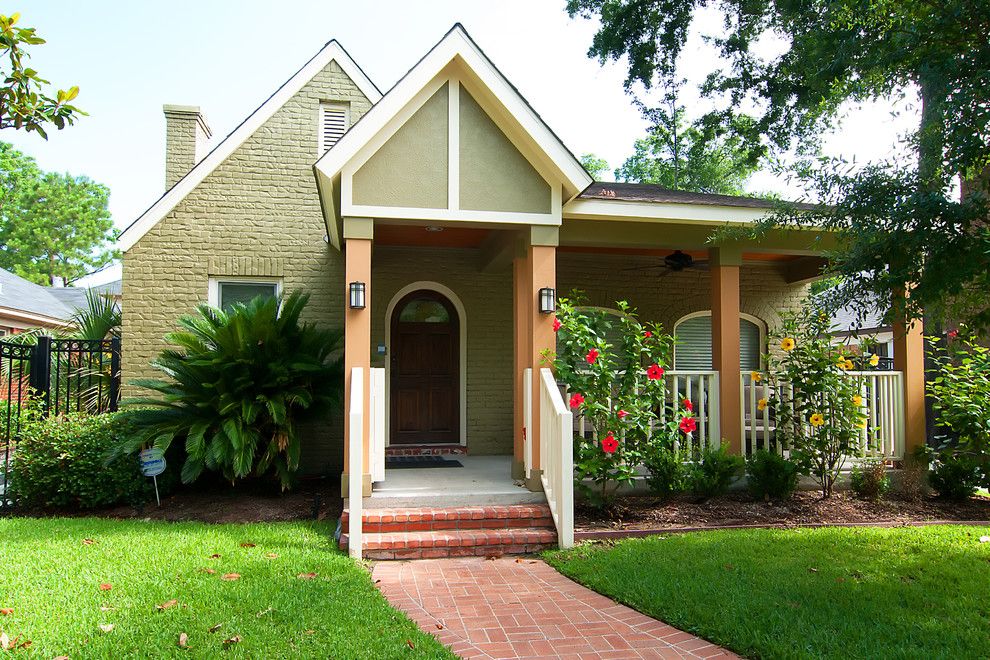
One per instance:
(454, 543)
(511, 516)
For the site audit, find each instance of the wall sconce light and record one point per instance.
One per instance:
(357, 295)
(548, 300)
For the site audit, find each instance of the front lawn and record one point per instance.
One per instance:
(264, 590)
(831, 592)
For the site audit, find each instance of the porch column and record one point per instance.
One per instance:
(357, 337)
(725, 263)
(522, 343)
(541, 271)
(909, 359)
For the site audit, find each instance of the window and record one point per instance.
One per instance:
(424, 311)
(693, 351)
(228, 291)
(334, 120)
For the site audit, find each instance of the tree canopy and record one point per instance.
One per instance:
(792, 66)
(52, 225)
(597, 167)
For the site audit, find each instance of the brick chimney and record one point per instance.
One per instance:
(186, 133)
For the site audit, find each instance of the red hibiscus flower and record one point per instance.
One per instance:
(576, 400)
(609, 443)
(953, 334)
(647, 334)
(654, 372)
(556, 325)
(688, 425)
(591, 356)
(688, 405)
(621, 414)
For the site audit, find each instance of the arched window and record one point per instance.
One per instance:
(693, 351)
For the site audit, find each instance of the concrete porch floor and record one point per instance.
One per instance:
(483, 480)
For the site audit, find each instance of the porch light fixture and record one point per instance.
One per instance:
(357, 295)
(548, 300)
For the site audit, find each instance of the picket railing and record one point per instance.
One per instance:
(883, 407)
(376, 426)
(557, 457)
(527, 390)
(355, 464)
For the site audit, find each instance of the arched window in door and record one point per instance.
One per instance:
(693, 351)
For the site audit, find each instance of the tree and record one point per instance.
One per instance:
(597, 167)
(25, 102)
(898, 225)
(51, 225)
(689, 157)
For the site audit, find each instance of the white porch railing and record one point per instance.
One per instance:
(557, 457)
(527, 390)
(377, 424)
(355, 463)
(883, 406)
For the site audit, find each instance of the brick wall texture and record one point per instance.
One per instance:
(258, 214)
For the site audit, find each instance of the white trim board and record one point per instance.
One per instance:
(331, 52)
(705, 214)
(426, 285)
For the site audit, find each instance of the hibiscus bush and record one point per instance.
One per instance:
(818, 408)
(613, 367)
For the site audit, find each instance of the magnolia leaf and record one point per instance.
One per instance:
(272, 555)
(4, 611)
(232, 640)
(248, 544)
(183, 641)
(215, 628)
(106, 627)
(306, 576)
(4, 642)
(211, 571)
(88, 542)
(230, 577)
(106, 586)
(167, 604)
(215, 556)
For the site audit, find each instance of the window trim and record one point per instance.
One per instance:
(213, 295)
(758, 322)
(320, 112)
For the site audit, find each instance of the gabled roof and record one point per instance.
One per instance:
(456, 44)
(20, 295)
(651, 192)
(331, 52)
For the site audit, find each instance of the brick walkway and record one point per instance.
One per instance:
(522, 608)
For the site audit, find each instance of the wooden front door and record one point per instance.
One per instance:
(425, 368)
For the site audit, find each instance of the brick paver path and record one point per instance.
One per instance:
(522, 608)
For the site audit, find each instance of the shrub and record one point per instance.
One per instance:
(770, 476)
(666, 472)
(869, 480)
(237, 387)
(613, 368)
(955, 476)
(817, 406)
(713, 473)
(61, 462)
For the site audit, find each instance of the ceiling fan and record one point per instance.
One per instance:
(675, 262)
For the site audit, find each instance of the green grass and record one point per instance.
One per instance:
(834, 592)
(51, 578)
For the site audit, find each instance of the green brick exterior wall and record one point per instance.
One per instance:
(258, 213)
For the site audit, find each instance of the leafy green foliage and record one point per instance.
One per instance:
(238, 383)
(869, 480)
(100, 319)
(52, 225)
(955, 476)
(794, 65)
(835, 592)
(597, 167)
(816, 405)
(25, 103)
(713, 473)
(683, 156)
(770, 476)
(61, 462)
(960, 393)
(612, 366)
(666, 473)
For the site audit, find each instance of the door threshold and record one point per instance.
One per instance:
(426, 450)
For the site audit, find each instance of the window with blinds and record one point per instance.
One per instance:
(334, 120)
(693, 351)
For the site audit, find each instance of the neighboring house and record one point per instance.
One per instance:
(25, 305)
(870, 331)
(446, 206)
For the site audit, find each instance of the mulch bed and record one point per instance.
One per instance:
(221, 503)
(804, 508)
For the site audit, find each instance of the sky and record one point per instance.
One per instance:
(129, 58)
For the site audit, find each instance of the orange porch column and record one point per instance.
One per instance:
(725, 266)
(522, 343)
(540, 271)
(357, 349)
(909, 359)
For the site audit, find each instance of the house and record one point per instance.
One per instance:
(25, 305)
(436, 223)
(866, 333)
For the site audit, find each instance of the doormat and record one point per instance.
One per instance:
(403, 462)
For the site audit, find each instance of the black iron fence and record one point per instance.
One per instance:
(53, 377)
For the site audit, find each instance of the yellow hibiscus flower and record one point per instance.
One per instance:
(862, 423)
(817, 420)
(842, 362)
(848, 366)
(787, 343)
(761, 404)
(874, 360)
(755, 376)
(857, 400)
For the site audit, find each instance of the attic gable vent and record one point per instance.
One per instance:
(334, 120)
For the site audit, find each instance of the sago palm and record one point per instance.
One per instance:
(237, 383)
